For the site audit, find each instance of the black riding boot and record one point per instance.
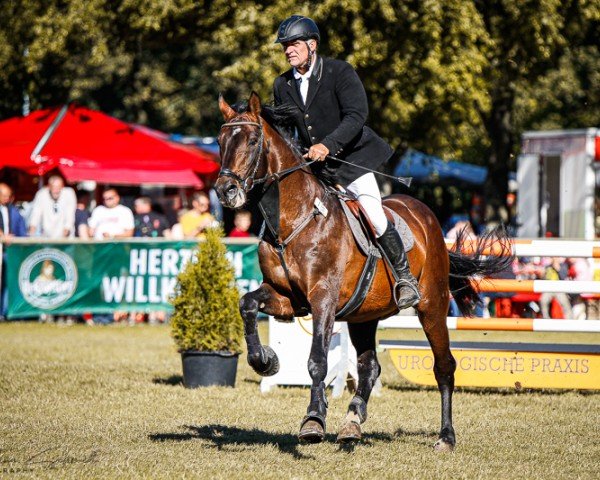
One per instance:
(406, 290)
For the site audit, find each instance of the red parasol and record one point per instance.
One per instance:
(86, 144)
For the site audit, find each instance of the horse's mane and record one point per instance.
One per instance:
(279, 117)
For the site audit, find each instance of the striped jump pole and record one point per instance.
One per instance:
(537, 286)
(538, 248)
(500, 324)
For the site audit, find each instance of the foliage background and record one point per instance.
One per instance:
(460, 80)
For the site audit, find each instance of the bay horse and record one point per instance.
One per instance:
(310, 263)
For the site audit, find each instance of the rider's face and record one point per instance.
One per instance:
(296, 53)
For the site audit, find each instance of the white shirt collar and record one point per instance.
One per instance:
(306, 76)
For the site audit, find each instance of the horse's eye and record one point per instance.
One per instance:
(252, 142)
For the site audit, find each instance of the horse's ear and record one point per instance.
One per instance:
(254, 103)
(226, 110)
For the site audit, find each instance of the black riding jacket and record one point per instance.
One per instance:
(335, 114)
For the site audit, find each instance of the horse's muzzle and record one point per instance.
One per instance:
(230, 194)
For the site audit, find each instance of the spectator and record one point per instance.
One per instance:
(556, 270)
(198, 218)
(528, 268)
(241, 221)
(12, 225)
(82, 215)
(111, 220)
(148, 223)
(580, 270)
(177, 229)
(53, 211)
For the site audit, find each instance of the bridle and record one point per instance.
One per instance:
(250, 182)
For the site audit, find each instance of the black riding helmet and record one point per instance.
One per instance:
(297, 27)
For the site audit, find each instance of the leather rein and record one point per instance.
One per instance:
(249, 182)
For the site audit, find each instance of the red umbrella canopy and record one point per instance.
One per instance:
(89, 145)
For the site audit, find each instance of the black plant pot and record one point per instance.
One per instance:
(203, 369)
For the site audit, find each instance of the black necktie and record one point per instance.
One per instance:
(298, 82)
(2, 219)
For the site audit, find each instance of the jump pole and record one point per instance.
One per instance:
(538, 248)
(500, 324)
(536, 286)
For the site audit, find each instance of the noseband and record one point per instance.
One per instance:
(248, 182)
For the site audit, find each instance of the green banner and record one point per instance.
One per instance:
(79, 277)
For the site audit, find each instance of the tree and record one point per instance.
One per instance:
(455, 79)
(525, 41)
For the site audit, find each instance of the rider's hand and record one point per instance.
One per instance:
(317, 152)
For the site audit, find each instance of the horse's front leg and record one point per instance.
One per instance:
(313, 425)
(262, 358)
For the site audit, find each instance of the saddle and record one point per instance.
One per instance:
(364, 235)
(360, 225)
(363, 230)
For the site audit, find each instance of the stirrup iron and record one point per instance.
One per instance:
(398, 286)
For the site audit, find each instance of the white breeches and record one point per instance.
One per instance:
(367, 191)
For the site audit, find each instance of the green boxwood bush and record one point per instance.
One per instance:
(206, 313)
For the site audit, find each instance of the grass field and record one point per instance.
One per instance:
(107, 402)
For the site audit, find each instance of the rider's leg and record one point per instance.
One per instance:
(367, 191)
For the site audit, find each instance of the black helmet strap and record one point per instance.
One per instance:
(310, 54)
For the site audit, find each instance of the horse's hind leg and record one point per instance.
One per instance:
(262, 358)
(363, 339)
(432, 314)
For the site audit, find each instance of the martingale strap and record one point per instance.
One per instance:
(270, 216)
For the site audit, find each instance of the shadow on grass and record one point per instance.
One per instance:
(422, 437)
(222, 436)
(173, 380)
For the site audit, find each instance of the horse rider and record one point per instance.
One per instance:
(330, 115)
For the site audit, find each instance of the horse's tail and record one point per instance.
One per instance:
(464, 268)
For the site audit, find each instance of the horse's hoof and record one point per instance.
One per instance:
(349, 433)
(443, 446)
(269, 367)
(311, 432)
(272, 362)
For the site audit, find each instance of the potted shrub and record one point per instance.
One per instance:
(206, 323)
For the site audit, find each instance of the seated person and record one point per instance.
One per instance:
(198, 219)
